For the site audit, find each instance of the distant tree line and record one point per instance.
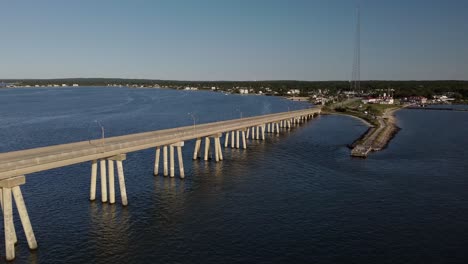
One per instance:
(458, 89)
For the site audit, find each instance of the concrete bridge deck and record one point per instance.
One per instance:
(39, 159)
(109, 151)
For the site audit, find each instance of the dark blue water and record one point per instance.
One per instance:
(297, 197)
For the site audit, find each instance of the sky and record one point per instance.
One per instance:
(233, 39)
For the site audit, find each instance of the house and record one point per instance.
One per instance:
(243, 91)
(417, 99)
(75, 85)
(294, 92)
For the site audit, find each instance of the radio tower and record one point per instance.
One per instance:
(356, 75)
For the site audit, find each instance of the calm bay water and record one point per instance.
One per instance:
(295, 197)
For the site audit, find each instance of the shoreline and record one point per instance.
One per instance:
(377, 136)
(352, 116)
(377, 139)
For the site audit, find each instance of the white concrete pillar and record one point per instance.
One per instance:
(237, 139)
(181, 162)
(92, 191)
(219, 149)
(24, 217)
(103, 181)
(226, 140)
(123, 190)
(277, 128)
(15, 238)
(156, 161)
(243, 140)
(171, 159)
(263, 132)
(196, 152)
(165, 171)
(248, 133)
(8, 227)
(111, 182)
(216, 149)
(253, 133)
(207, 147)
(233, 137)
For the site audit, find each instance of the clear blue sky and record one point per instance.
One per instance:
(233, 39)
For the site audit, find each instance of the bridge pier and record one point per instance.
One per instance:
(10, 190)
(226, 140)
(178, 146)
(94, 164)
(243, 139)
(196, 152)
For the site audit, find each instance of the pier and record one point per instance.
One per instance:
(107, 156)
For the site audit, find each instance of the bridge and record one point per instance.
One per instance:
(106, 153)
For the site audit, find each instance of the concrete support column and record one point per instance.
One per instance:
(180, 159)
(217, 146)
(24, 217)
(121, 178)
(10, 190)
(165, 169)
(226, 140)
(253, 132)
(233, 137)
(243, 140)
(15, 239)
(248, 133)
(111, 182)
(268, 127)
(102, 164)
(123, 189)
(207, 147)
(171, 160)
(257, 132)
(8, 227)
(237, 139)
(216, 149)
(220, 154)
(263, 132)
(156, 161)
(196, 152)
(277, 128)
(92, 191)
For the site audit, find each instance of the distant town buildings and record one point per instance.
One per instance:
(294, 92)
(243, 91)
(378, 100)
(416, 100)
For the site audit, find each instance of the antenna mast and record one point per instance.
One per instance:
(356, 75)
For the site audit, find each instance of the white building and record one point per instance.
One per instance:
(243, 91)
(75, 85)
(294, 91)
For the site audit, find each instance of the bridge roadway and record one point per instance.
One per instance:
(104, 152)
(39, 159)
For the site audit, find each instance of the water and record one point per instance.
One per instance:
(297, 197)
